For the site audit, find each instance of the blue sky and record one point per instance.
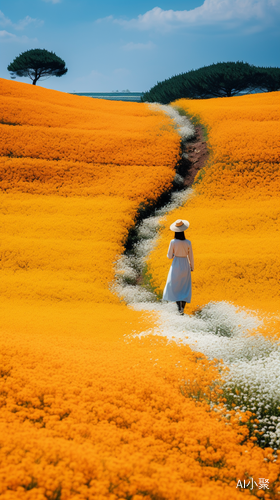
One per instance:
(117, 45)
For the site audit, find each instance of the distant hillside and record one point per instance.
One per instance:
(217, 80)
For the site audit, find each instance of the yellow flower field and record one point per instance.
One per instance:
(87, 411)
(235, 210)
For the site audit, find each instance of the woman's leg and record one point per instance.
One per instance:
(183, 305)
(179, 306)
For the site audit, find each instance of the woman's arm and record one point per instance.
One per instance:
(170, 253)
(191, 257)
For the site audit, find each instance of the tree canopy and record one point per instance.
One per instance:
(217, 80)
(37, 63)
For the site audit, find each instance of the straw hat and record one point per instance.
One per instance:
(179, 226)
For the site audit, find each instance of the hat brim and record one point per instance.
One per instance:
(179, 229)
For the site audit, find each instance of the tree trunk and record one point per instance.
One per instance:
(36, 78)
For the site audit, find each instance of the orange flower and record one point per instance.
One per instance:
(83, 413)
(233, 215)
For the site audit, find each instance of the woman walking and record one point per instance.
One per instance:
(178, 287)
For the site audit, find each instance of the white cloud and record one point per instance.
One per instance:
(102, 19)
(53, 1)
(6, 36)
(212, 12)
(25, 22)
(138, 46)
(20, 25)
(4, 21)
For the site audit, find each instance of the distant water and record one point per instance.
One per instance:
(113, 96)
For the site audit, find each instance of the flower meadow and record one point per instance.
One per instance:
(234, 210)
(233, 213)
(52, 144)
(93, 404)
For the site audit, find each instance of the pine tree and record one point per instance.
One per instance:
(36, 64)
(217, 80)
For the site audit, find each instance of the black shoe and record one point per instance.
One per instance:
(181, 310)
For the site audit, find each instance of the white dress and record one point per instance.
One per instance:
(179, 283)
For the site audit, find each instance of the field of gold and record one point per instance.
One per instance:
(86, 413)
(234, 212)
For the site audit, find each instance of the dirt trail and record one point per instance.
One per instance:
(197, 156)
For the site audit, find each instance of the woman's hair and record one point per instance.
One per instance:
(180, 236)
